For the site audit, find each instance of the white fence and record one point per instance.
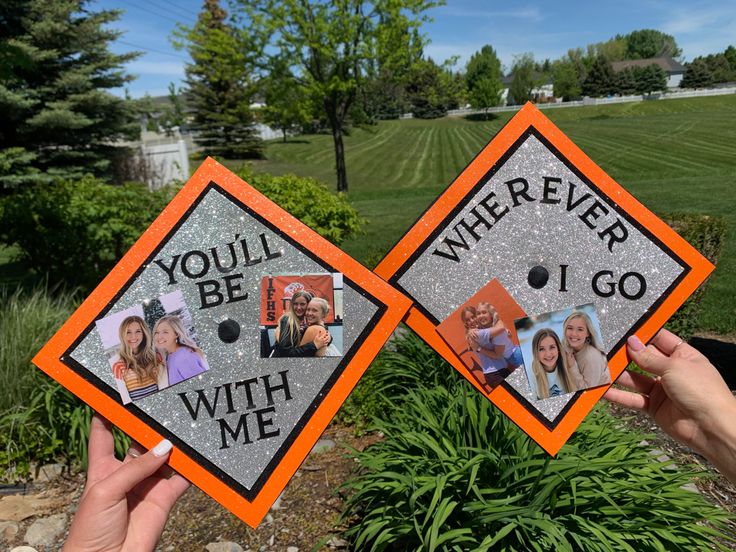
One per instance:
(164, 163)
(602, 101)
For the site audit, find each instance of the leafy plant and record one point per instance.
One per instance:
(40, 420)
(328, 214)
(454, 474)
(706, 234)
(75, 231)
(27, 321)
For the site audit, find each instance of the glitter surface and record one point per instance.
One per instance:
(538, 234)
(216, 222)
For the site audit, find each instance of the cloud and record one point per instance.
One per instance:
(699, 20)
(702, 31)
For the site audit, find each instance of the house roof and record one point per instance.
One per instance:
(669, 65)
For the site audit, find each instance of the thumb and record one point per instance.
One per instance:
(645, 358)
(131, 473)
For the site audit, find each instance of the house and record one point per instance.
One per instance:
(542, 93)
(673, 68)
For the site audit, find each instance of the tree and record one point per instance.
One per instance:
(59, 118)
(173, 115)
(720, 68)
(432, 89)
(730, 54)
(329, 45)
(650, 79)
(387, 72)
(601, 80)
(220, 84)
(523, 81)
(483, 79)
(566, 80)
(614, 49)
(697, 75)
(649, 43)
(288, 105)
(626, 81)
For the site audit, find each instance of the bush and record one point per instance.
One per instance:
(328, 214)
(40, 420)
(75, 231)
(706, 234)
(27, 321)
(452, 473)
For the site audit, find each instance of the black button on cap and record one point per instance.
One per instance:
(538, 277)
(228, 331)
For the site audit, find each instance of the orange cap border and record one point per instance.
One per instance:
(49, 359)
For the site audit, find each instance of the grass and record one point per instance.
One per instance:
(673, 155)
(27, 321)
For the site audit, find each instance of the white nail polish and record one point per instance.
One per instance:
(163, 448)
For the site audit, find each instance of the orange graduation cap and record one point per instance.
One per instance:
(242, 414)
(534, 215)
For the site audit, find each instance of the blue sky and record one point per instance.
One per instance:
(546, 29)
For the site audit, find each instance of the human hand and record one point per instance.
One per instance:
(687, 397)
(322, 339)
(125, 504)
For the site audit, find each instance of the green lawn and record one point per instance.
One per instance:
(674, 155)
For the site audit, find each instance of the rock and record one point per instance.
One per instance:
(49, 473)
(292, 549)
(323, 445)
(8, 530)
(661, 456)
(23, 549)
(18, 508)
(46, 531)
(224, 546)
(337, 542)
(692, 487)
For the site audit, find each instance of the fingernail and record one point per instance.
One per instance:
(635, 344)
(163, 448)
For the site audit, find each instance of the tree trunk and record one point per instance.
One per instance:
(342, 175)
(333, 111)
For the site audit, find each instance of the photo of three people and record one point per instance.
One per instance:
(151, 346)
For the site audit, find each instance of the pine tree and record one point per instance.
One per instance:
(697, 75)
(58, 117)
(152, 311)
(626, 81)
(650, 79)
(601, 80)
(220, 85)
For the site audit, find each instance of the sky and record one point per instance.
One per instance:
(460, 28)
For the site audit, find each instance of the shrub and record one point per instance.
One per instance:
(328, 214)
(706, 234)
(27, 321)
(452, 473)
(40, 420)
(75, 231)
